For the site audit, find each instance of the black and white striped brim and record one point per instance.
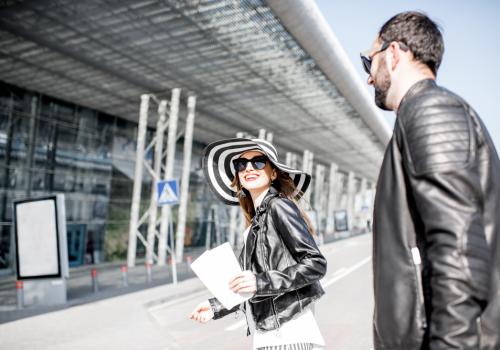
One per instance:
(219, 170)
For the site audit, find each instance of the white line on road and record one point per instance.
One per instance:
(339, 271)
(346, 272)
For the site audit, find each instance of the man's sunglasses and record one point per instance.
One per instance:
(258, 163)
(367, 60)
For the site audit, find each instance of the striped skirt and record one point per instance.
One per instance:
(303, 346)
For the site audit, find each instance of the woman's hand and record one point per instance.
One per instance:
(202, 313)
(244, 282)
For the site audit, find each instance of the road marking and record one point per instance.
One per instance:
(346, 272)
(237, 325)
(339, 271)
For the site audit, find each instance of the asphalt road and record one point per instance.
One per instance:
(157, 318)
(344, 314)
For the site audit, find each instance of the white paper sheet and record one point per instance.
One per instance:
(215, 268)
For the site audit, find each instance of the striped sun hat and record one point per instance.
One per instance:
(217, 163)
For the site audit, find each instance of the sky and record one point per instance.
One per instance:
(471, 31)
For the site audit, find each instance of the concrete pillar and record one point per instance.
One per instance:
(332, 198)
(186, 171)
(136, 192)
(294, 160)
(169, 172)
(319, 186)
(319, 191)
(153, 208)
(269, 137)
(288, 159)
(32, 132)
(351, 190)
(305, 161)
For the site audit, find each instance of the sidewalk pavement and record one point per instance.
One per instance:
(79, 287)
(123, 322)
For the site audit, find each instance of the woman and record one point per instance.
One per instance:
(281, 263)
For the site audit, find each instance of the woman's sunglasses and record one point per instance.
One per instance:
(258, 163)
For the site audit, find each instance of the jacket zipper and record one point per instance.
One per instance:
(275, 314)
(417, 262)
(244, 268)
(268, 268)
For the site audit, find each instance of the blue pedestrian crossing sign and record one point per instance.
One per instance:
(168, 192)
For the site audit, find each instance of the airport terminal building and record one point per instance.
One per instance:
(71, 79)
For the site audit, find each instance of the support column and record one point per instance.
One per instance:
(153, 208)
(318, 186)
(136, 192)
(288, 159)
(169, 172)
(31, 144)
(234, 218)
(369, 197)
(294, 160)
(305, 161)
(307, 166)
(186, 169)
(360, 210)
(269, 137)
(362, 194)
(319, 206)
(350, 198)
(332, 198)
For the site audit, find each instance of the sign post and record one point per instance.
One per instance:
(168, 194)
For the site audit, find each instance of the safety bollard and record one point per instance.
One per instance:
(95, 284)
(149, 274)
(189, 260)
(124, 271)
(20, 294)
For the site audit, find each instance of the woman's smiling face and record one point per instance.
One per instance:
(254, 179)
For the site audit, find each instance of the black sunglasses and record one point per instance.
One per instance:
(258, 163)
(367, 60)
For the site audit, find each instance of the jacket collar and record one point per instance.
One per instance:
(271, 193)
(416, 89)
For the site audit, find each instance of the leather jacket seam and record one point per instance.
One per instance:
(439, 167)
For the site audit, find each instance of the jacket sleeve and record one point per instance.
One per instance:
(219, 309)
(310, 266)
(440, 156)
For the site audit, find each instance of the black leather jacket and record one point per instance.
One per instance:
(438, 192)
(286, 261)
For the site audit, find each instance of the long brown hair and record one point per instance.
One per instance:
(283, 184)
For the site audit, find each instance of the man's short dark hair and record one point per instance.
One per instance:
(419, 33)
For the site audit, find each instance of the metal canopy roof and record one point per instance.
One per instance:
(236, 56)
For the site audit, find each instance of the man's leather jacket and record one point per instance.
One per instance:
(436, 254)
(286, 261)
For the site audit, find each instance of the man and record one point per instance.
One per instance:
(437, 206)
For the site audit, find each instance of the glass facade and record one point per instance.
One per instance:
(50, 146)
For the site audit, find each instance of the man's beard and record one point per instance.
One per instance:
(382, 86)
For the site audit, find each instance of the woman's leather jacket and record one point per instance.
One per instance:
(286, 261)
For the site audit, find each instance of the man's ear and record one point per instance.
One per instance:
(395, 54)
